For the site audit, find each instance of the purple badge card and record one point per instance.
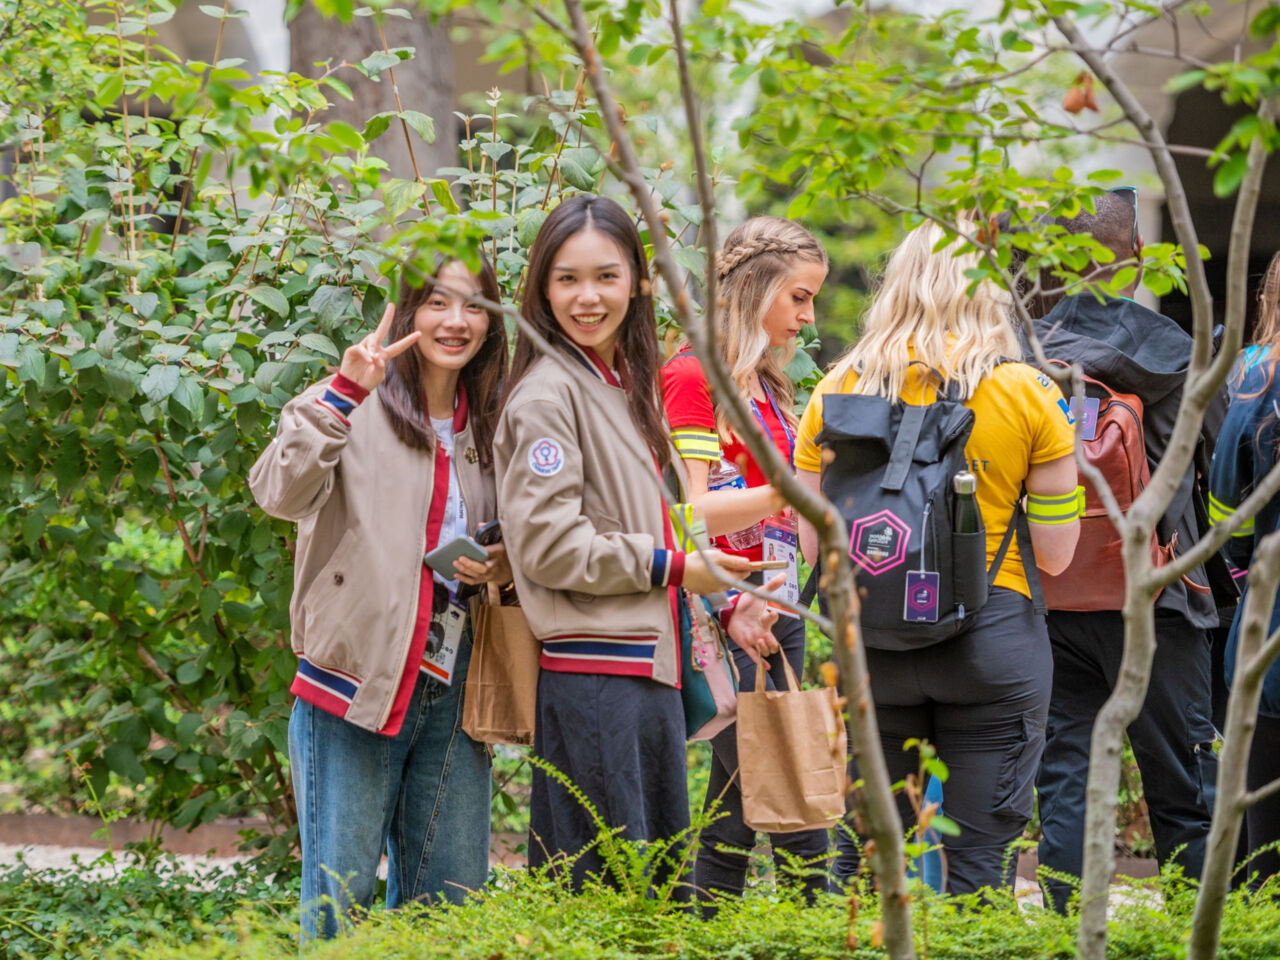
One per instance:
(921, 602)
(1089, 422)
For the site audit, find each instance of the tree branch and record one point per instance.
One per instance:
(1201, 388)
(886, 828)
(1262, 793)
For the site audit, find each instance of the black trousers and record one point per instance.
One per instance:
(1171, 738)
(620, 740)
(721, 866)
(1262, 820)
(981, 700)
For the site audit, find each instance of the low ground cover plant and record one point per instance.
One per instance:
(155, 912)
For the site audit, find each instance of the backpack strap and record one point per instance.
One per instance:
(904, 448)
(1026, 553)
(811, 586)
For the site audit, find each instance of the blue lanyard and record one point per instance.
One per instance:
(786, 428)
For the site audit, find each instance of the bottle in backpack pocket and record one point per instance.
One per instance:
(726, 476)
(968, 545)
(966, 518)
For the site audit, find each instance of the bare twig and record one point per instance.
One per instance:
(881, 810)
(404, 126)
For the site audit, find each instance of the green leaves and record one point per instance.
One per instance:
(1228, 175)
(376, 62)
(159, 381)
(122, 759)
(330, 304)
(420, 124)
(400, 195)
(269, 297)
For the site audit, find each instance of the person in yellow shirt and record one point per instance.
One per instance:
(981, 696)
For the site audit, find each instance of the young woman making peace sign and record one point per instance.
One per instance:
(379, 465)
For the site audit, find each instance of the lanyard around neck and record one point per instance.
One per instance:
(786, 427)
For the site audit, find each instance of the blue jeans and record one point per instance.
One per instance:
(422, 795)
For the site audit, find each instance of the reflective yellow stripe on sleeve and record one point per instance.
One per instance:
(1061, 508)
(693, 443)
(1219, 511)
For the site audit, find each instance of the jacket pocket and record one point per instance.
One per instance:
(341, 609)
(603, 523)
(1015, 784)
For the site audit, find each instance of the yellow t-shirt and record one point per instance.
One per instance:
(1020, 419)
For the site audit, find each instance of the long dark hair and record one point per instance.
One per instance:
(402, 390)
(637, 337)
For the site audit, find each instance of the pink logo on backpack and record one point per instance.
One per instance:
(879, 542)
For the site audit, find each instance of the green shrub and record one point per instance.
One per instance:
(170, 277)
(131, 903)
(527, 916)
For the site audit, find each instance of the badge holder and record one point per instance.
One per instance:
(781, 541)
(1089, 422)
(449, 622)
(920, 600)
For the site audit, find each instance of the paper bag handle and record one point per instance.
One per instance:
(793, 685)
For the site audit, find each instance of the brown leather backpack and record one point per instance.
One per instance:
(1095, 579)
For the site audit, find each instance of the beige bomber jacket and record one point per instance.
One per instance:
(586, 528)
(360, 497)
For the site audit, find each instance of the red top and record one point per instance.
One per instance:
(687, 397)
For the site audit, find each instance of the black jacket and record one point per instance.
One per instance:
(1135, 350)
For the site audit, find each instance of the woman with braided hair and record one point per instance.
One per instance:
(769, 271)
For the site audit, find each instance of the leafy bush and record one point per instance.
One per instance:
(134, 909)
(530, 916)
(188, 245)
(131, 903)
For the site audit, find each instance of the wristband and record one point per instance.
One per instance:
(1052, 510)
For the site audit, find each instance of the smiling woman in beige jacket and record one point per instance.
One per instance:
(379, 465)
(579, 459)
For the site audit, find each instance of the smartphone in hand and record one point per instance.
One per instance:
(441, 558)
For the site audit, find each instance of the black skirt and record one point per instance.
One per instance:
(620, 741)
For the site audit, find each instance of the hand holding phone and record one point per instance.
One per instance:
(441, 559)
(495, 567)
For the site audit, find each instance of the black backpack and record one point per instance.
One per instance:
(889, 473)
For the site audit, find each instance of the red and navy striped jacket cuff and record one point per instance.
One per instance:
(667, 569)
(341, 397)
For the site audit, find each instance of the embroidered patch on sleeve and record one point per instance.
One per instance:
(546, 457)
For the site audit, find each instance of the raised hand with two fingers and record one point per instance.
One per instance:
(365, 362)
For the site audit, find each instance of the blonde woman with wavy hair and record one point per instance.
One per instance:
(982, 695)
(923, 313)
(770, 270)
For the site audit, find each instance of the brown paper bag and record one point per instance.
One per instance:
(500, 700)
(791, 756)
